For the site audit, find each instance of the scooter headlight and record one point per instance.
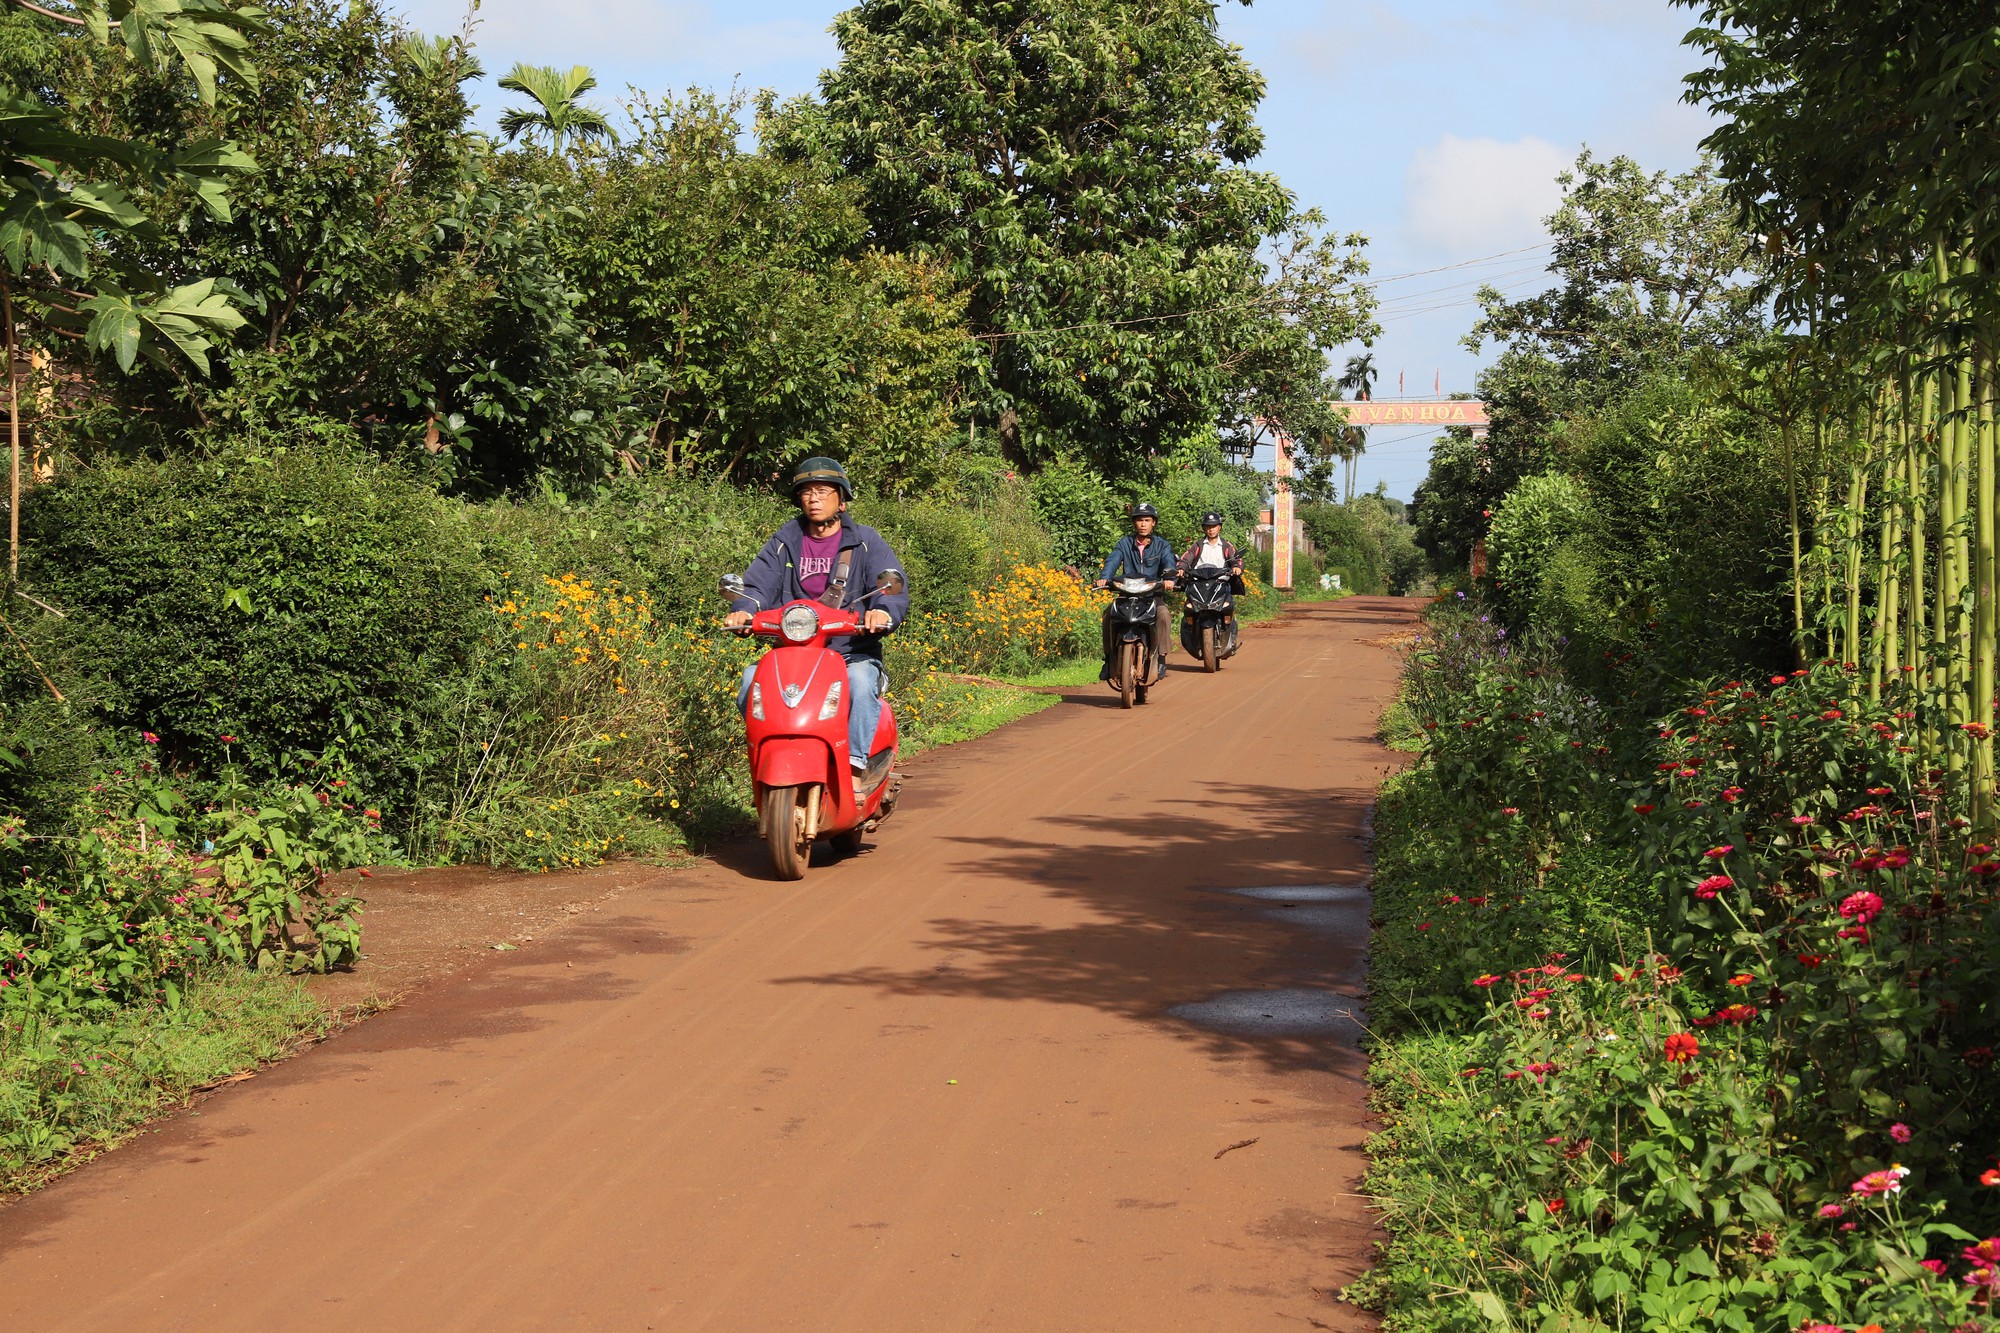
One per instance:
(831, 708)
(757, 700)
(799, 624)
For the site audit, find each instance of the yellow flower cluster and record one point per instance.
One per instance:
(576, 621)
(1037, 608)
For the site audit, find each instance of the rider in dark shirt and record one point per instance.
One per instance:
(824, 546)
(1142, 554)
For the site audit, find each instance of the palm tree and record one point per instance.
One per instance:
(557, 112)
(430, 57)
(1358, 379)
(1359, 376)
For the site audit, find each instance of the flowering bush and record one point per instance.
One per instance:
(1759, 1093)
(153, 886)
(614, 725)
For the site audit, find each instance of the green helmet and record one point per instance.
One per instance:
(827, 470)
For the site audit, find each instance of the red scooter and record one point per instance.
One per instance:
(796, 720)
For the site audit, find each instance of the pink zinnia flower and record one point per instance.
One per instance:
(1881, 1183)
(1861, 908)
(1831, 1210)
(1717, 853)
(1900, 1132)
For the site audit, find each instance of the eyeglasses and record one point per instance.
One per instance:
(819, 492)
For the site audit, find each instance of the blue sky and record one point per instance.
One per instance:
(1436, 127)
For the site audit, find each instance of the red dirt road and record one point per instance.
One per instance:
(728, 1103)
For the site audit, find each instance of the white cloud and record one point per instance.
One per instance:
(1482, 195)
(621, 36)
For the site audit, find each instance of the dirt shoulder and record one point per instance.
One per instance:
(1072, 1047)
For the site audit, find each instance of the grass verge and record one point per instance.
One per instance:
(1076, 671)
(976, 710)
(70, 1091)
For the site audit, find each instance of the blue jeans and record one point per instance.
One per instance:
(865, 682)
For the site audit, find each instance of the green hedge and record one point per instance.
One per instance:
(285, 599)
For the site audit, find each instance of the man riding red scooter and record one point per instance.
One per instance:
(822, 739)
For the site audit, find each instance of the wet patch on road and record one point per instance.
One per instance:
(1356, 892)
(1276, 1013)
(1323, 909)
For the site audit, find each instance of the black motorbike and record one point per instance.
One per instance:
(1208, 630)
(1136, 606)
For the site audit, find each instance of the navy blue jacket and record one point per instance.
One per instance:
(773, 580)
(1155, 562)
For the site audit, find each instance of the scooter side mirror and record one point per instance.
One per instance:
(730, 586)
(891, 582)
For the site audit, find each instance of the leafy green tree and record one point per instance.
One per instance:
(735, 296)
(1081, 167)
(1449, 506)
(558, 115)
(392, 278)
(75, 191)
(1655, 277)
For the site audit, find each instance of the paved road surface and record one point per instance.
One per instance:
(727, 1103)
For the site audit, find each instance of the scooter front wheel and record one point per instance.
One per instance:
(784, 820)
(1209, 661)
(1128, 673)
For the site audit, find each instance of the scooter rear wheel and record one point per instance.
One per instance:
(848, 843)
(1209, 662)
(1128, 673)
(785, 832)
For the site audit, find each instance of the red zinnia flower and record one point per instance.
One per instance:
(1990, 1176)
(1717, 853)
(1741, 979)
(1682, 1046)
(1484, 979)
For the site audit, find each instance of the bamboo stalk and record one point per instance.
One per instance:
(1788, 433)
(1857, 499)
(1961, 480)
(1887, 653)
(1915, 464)
(13, 438)
(1983, 645)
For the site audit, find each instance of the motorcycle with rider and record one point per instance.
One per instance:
(822, 738)
(1211, 576)
(1140, 571)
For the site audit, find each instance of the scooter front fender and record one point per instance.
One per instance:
(792, 761)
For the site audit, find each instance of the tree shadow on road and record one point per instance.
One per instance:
(1153, 923)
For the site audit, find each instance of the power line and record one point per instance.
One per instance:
(1465, 263)
(1370, 284)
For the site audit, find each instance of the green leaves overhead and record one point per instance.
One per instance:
(1082, 169)
(130, 326)
(71, 211)
(1856, 137)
